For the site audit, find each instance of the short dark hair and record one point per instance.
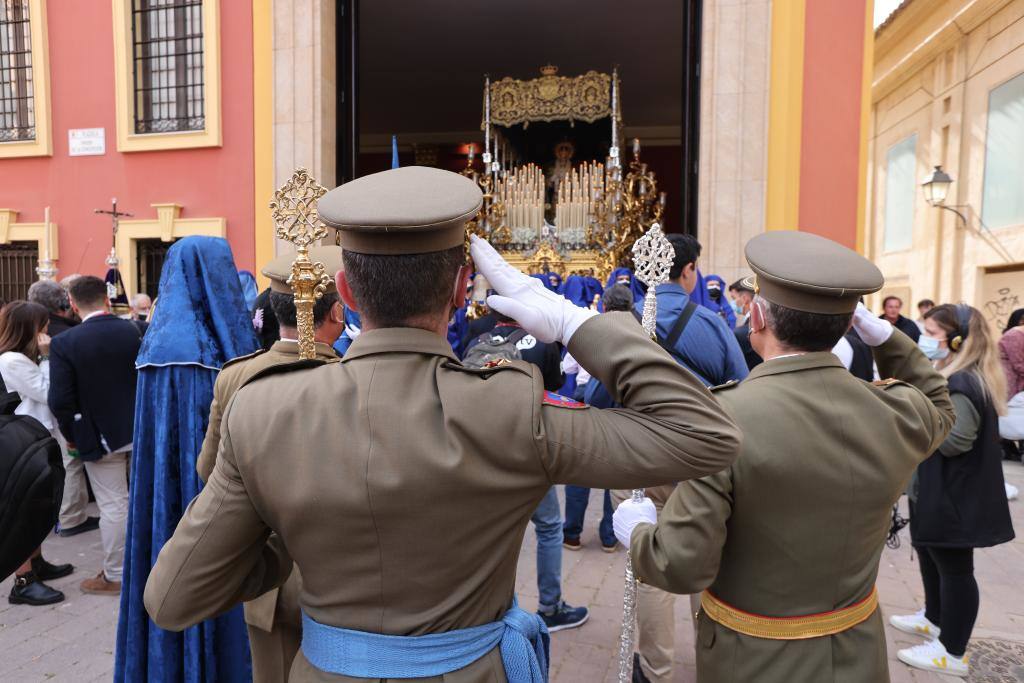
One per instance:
(283, 306)
(891, 297)
(618, 297)
(88, 290)
(802, 331)
(393, 289)
(687, 251)
(925, 302)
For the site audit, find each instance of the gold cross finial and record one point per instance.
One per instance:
(294, 209)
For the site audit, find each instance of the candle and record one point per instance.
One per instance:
(46, 234)
(661, 199)
(615, 107)
(636, 146)
(487, 115)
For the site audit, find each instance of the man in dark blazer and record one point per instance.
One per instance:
(92, 395)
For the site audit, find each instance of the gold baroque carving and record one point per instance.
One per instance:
(551, 98)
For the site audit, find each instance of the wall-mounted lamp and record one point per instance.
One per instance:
(936, 188)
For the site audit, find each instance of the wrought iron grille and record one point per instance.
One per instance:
(167, 39)
(17, 104)
(18, 262)
(149, 263)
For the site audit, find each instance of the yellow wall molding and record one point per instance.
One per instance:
(785, 115)
(13, 231)
(263, 133)
(167, 227)
(124, 88)
(867, 73)
(42, 146)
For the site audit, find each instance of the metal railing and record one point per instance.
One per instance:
(18, 262)
(17, 104)
(149, 263)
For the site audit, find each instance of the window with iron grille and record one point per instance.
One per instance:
(18, 262)
(17, 104)
(149, 263)
(167, 44)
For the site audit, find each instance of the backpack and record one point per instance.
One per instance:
(492, 348)
(31, 487)
(9, 400)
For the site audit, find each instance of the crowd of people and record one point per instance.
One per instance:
(184, 421)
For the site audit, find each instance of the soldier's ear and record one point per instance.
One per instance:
(461, 283)
(757, 317)
(345, 292)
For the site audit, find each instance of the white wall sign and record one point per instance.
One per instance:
(85, 142)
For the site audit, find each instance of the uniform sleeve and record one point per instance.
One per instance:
(682, 552)
(669, 428)
(208, 454)
(924, 407)
(965, 428)
(218, 555)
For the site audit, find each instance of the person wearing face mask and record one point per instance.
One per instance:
(785, 543)
(717, 300)
(141, 303)
(957, 497)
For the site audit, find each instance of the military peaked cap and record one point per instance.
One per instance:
(280, 269)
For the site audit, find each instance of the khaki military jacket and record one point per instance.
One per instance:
(796, 525)
(260, 611)
(402, 482)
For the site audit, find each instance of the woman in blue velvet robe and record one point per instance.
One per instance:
(199, 322)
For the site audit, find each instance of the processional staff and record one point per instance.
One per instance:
(294, 210)
(652, 260)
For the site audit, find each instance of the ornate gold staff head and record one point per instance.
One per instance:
(652, 260)
(294, 209)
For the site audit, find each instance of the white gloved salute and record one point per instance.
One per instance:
(547, 316)
(872, 330)
(630, 515)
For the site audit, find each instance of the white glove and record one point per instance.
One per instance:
(352, 331)
(629, 514)
(872, 330)
(547, 316)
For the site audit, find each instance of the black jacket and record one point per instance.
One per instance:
(907, 327)
(749, 354)
(92, 375)
(863, 364)
(961, 500)
(58, 324)
(547, 357)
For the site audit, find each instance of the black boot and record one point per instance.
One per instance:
(29, 590)
(638, 673)
(45, 571)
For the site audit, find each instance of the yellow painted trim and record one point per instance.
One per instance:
(167, 226)
(867, 73)
(13, 231)
(127, 139)
(785, 115)
(263, 134)
(42, 146)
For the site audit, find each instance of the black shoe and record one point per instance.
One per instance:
(29, 590)
(564, 616)
(46, 571)
(89, 524)
(638, 673)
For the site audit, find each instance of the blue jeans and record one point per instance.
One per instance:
(576, 499)
(547, 523)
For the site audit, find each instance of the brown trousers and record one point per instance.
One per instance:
(274, 651)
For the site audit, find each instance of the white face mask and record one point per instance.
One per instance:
(930, 347)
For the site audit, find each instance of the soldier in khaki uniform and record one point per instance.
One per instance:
(273, 619)
(400, 481)
(785, 543)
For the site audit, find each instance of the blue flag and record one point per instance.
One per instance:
(394, 151)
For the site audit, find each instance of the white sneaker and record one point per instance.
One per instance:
(916, 624)
(932, 656)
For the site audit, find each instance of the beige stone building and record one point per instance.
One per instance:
(948, 90)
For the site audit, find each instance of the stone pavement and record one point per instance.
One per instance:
(74, 640)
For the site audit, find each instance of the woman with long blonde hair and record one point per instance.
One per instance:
(958, 498)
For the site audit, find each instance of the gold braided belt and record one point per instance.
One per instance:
(789, 628)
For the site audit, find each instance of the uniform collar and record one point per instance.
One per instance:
(399, 340)
(807, 361)
(291, 348)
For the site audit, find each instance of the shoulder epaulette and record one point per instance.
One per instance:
(239, 359)
(887, 383)
(728, 385)
(489, 369)
(281, 368)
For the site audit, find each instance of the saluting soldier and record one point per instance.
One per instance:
(785, 543)
(273, 619)
(400, 481)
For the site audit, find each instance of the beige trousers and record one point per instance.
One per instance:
(109, 478)
(655, 610)
(76, 494)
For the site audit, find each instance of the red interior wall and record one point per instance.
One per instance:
(830, 147)
(206, 182)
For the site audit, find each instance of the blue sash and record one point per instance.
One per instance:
(523, 638)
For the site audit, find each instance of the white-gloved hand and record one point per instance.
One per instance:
(547, 316)
(872, 330)
(352, 331)
(629, 514)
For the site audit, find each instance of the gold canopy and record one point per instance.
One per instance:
(551, 98)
